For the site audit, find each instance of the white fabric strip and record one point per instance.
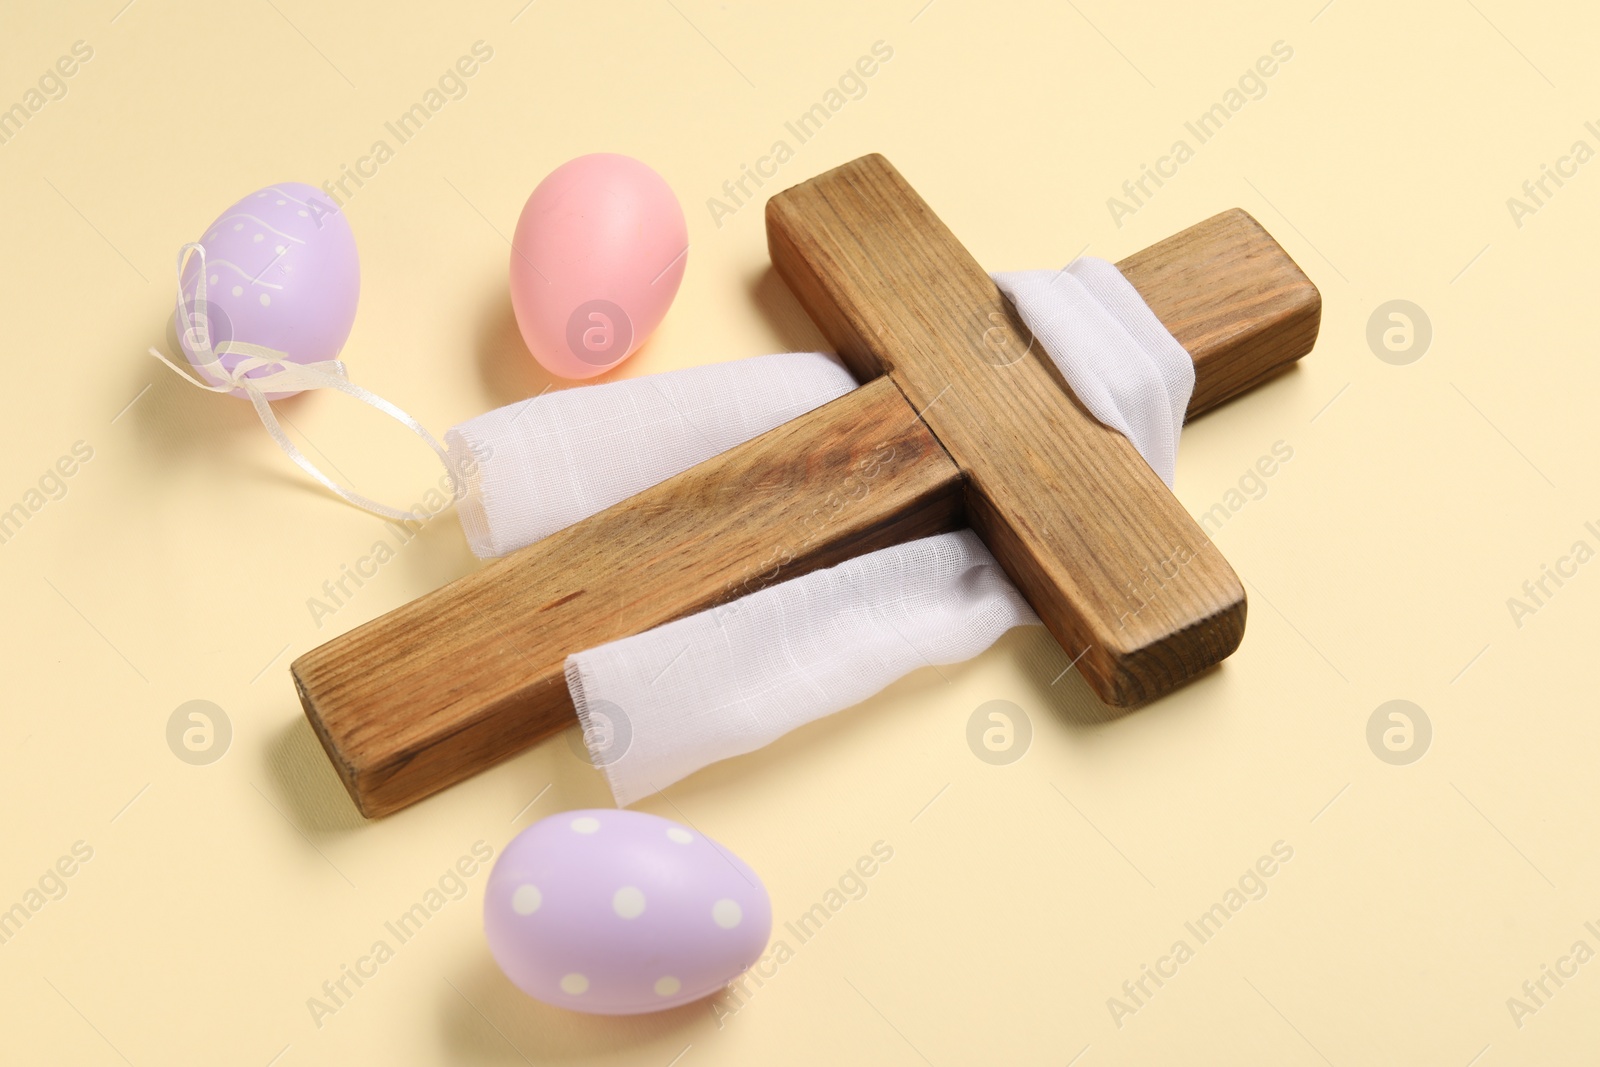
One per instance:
(540, 465)
(1110, 347)
(658, 706)
(661, 705)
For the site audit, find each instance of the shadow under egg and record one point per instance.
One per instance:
(510, 372)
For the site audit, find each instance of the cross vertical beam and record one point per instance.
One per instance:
(1117, 569)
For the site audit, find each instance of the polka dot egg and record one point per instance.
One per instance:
(619, 912)
(281, 272)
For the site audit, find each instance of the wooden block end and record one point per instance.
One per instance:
(1233, 298)
(1134, 675)
(346, 771)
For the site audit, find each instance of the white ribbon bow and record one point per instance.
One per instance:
(287, 377)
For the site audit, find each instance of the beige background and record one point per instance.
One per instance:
(1379, 561)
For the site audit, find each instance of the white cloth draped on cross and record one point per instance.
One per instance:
(658, 706)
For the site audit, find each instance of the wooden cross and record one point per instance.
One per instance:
(960, 420)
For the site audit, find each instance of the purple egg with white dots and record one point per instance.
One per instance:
(619, 912)
(281, 272)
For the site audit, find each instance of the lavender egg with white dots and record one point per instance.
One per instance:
(282, 272)
(619, 912)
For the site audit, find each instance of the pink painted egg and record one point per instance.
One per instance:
(281, 272)
(596, 260)
(618, 912)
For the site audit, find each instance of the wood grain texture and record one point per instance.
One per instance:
(1233, 298)
(471, 673)
(1118, 571)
